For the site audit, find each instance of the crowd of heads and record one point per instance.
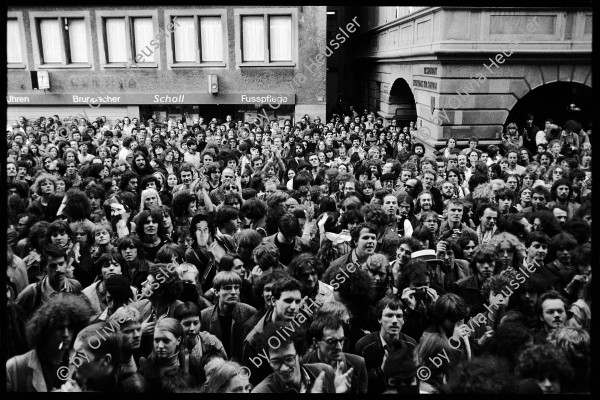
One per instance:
(338, 256)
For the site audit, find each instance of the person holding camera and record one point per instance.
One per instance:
(417, 297)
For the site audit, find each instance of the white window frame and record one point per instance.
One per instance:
(24, 64)
(35, 16)
(196, 15)
(128, 15)
(242, 12)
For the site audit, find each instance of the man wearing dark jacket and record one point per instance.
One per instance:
(287, 240)
(328, 338)
(226, 318)
(483, 266)
(364, 241)
(289, 375)
(286, 301)
(374, 347)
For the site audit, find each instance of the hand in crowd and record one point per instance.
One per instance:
(486, 336)
(148, 326)
(343, 380)
(318, 383)
(408, 295)
(32, 258)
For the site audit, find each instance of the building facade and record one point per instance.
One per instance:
(167, 63)
(467, 72)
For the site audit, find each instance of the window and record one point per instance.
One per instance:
(253, 38)
(279, 38)
(143, 33)
(184, 40)
(266, 39)
(62, 41)
(129, 40)
(211, 38)
(115, 40)
(14, 52)
(198, 39)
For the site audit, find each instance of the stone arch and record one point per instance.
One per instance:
(402, 103)
(553, 100)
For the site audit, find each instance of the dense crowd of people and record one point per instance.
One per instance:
(332, 256)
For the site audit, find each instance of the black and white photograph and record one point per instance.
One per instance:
(289, 198)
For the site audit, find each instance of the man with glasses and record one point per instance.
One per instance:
(375, 346)
(327, 336)
(226, 318)
(286, 301)
(289, 374)
(412, 187)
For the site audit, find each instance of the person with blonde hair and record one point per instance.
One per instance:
(229, 377)
(382, 279)
(43, 186)
(150, 199)
(576, 345)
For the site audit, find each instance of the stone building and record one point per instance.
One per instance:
(462, 71)
(166, 62)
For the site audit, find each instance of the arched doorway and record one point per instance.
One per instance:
(555, 100)
(402, 102)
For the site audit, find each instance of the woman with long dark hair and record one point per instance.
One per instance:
(184, 206)
(198, 254)
(131, 257)
(107, 265)
(150, 229)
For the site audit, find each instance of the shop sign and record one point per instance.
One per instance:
(150, 98)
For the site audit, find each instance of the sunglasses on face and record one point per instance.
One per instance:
(334, 341)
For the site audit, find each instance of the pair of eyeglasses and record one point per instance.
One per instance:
(289, 360)
(334, 341)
